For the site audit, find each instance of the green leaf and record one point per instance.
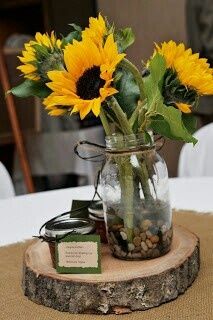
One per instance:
(190, 122)
(160, 126)
(170, 124)
(30, 88)
(153, 82)
(164, 120)
(124, 38)
(157, 69)
(128, 91)
(73, 35)
(75, 27)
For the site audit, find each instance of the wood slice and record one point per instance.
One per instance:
(123, 286)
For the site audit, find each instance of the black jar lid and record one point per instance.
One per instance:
(95, 218)
(60, 227)
(96, 211)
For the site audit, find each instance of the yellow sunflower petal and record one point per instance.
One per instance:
(85, 109)
(110, 50)
(32, 76)
(96, 31)
(28, 68)
(57, 112)
(57, 100)
(75, 109)
(39, 37)
(58, 43)
(106, 92)
(52, 37)
(61, 79)
(96, 107)
(183, 107)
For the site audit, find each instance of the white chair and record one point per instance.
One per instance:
(197, 161)
(6, 184)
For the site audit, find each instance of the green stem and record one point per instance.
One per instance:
(143, 174)
(114, 122)
(121, 116)
(127, 194)
(126, 172)
(137, 75)
(142, 115)
(141, 171)
(105, 123)
(134, 115)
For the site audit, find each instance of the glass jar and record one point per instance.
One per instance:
(135, 193)
(61, 226)
(96, 214)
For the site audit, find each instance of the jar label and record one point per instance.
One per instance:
(78, 254)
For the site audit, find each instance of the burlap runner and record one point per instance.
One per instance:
(196, 303)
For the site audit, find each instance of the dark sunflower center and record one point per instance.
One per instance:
(89, 83)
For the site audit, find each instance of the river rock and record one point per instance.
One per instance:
(143, 236)
(136, 232)
(149, 234)
(123, 235)
(146, 224)
(149, 243)
(144, 246)
(154, 239)
(131, 246)
(137, 241)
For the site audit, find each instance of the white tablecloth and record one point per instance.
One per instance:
(22, 216)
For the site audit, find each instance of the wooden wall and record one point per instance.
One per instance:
(151, 20)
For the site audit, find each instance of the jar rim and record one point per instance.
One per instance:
(60, 227)
(118, 141)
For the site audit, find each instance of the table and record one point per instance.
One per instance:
(22, 216)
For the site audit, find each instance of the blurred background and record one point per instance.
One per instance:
(45, 158)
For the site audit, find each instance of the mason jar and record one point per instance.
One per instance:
(62, 226)
(135, 193)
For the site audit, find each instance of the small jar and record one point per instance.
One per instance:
(59, 227)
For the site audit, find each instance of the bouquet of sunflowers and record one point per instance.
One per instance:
(88, 72)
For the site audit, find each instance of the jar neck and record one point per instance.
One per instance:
(118, 142)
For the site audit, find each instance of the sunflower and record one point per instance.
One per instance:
(87, 82)
(96, 31)
(41, 55)
(187, 76)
